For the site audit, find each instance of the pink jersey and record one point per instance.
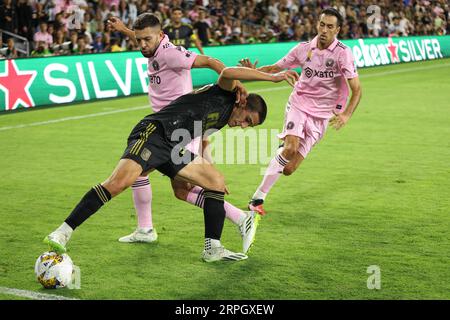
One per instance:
(169, 74)
(321, 88)
(45, 37)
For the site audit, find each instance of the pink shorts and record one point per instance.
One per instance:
(194, 145)
(308, 128)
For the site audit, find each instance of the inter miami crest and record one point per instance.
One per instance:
(155, 65)
(329, 63)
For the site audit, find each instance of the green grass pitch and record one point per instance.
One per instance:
(374, 193)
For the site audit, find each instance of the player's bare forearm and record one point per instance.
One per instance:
(243, 73)
(202, 61)
(270, 69)
(340, 120)
(130, 34)
(230, 75)
(355, 87)
(116, 24)
(199, 46)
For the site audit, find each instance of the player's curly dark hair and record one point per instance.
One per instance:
(146, 20)
(256, 103)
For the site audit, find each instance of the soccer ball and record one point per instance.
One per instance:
(53, 270)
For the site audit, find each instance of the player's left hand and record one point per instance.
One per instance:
(247, 63)
(339, 120)
(241, 94)
(116, 24)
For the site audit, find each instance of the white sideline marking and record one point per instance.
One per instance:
(33, 295)
(99, 114)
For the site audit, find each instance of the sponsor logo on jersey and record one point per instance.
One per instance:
(154, 79)
(309, 73)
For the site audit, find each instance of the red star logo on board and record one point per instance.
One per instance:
(393, 49)
(16, 86)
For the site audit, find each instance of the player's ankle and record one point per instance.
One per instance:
(212, 243)
(259, 195)
(65, 229)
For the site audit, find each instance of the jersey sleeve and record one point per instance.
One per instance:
(290, 60)
(179, 58)
(347, 64)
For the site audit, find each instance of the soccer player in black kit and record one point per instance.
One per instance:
(181, 34)
(156, 142)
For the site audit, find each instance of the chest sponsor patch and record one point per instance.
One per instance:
(309, 73)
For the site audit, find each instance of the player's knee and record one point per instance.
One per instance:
(217, 183)
(289, 152)
(115, 185)
(288, 170)
(180, 193)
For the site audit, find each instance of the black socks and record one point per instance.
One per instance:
(92, 201)
(214, 213)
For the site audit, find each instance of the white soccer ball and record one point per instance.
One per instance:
(53, 270)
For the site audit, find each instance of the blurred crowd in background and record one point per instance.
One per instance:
(65, 27)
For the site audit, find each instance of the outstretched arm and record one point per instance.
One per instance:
(198, 44)
(229, 76)
(202, 61)
(273, 68)
(117, 25)
(340, 120)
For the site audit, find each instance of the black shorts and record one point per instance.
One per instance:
(149, 147)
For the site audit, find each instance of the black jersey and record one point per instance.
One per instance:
(210, 104)
(180, 36)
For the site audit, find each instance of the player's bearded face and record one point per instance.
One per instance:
(148, 40)
(328, 29)
(242, 117)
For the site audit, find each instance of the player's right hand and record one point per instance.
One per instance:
(116, 24)
(241, 94)
(247, 63)
(289, 76)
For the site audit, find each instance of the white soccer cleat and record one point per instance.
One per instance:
(140, 235)
(248, 230)
(222, 254)
(57, 241)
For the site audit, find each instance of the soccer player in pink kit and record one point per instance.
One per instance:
(319, 95)
(169, 78)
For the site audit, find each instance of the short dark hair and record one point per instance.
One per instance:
(176, 9)
(256, 103)
(333, 12)
(146, 20)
